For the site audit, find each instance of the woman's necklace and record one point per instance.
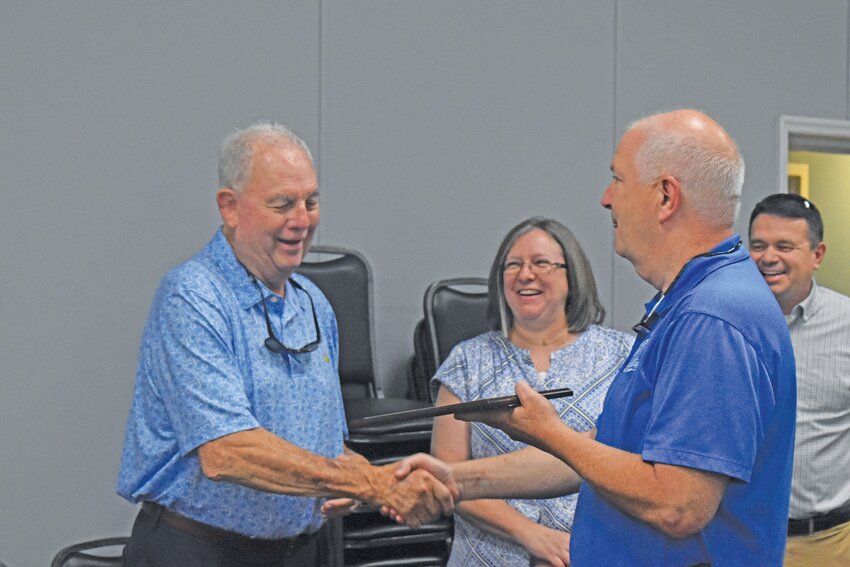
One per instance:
(558, 339)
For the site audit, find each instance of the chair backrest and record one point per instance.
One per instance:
(455, 310)
(345, 277)
(79, 554)
(420, 366)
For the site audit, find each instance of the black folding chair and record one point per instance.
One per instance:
(455, 310)
(92, 553)
(345, 277)
(420, 366)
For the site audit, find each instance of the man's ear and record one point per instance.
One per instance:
(226, 198)
(670, 196)
(820, 252)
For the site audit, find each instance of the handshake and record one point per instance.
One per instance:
(413, 491)
(419, 489)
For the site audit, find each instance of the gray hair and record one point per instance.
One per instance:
(582, 308)
(712, 178)
(234, 158)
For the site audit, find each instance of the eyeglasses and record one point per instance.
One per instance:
(538, 266)
(271, 341)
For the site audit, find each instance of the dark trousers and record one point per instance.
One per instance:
(154, 544)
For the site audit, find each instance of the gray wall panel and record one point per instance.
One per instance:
(112, 117)
(449, 123)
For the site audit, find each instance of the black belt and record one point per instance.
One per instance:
(222, 537)
(819, 523)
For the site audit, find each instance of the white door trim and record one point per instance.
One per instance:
(823, 127)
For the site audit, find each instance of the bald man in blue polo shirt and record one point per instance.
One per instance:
(691, 460)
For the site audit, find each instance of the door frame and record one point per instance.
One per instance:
(820, 127)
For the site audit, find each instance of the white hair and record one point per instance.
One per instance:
(711, 176)
(234, 158)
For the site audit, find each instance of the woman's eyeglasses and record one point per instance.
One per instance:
(271, 342)
(538, 266)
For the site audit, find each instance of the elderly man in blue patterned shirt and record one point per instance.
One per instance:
(237, 426)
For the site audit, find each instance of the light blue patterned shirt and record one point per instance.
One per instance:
(204, 372)
(489, 365)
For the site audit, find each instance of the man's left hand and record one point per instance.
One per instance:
(528, 423)
(339, 507)
(419, 498)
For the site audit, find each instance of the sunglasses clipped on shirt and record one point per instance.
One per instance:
(272, 343)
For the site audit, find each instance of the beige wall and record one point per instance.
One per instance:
(829, 189)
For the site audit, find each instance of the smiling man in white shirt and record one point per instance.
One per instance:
(786, 242)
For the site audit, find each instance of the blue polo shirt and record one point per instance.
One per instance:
(204, 372)
(710, 387)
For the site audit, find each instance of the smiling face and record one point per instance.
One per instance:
(536, 300)
(271, 222)
(784, 255)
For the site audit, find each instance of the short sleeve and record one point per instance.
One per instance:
(453, 374)
(193, 359)
(712, 397)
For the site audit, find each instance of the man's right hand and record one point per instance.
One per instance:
(411, 467)
(416, 497)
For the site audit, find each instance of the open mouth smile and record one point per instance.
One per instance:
(529, 292)
(770, 275)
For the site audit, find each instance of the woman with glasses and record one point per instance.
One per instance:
(544, 315)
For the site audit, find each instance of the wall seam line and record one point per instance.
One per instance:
(614, 146)
(320, 109)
